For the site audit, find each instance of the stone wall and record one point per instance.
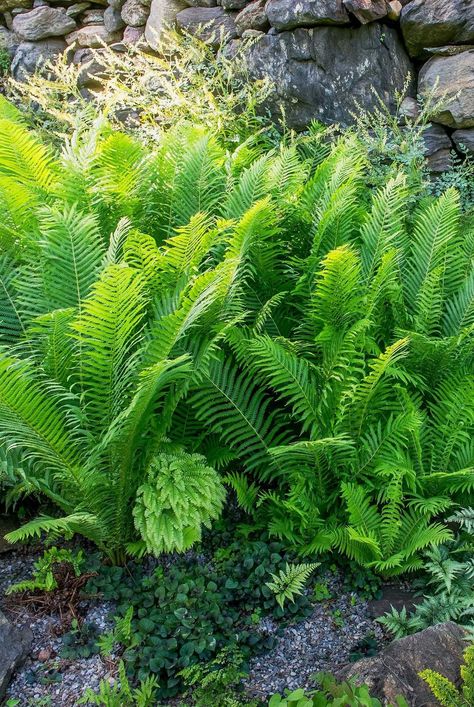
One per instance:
(324, 57)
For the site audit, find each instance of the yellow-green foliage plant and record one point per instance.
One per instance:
(446, 692)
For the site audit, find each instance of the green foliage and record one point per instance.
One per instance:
(217, 682)
(121, 693)
(331, 694)
(309, 338)
(186, 615)
(446, 692)
(82, 641)
(179, 496)
(447, 585)
(45, 569)
(290, 581)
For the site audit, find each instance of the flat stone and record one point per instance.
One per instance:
(433, 23)
(392, 597)
(317, 73)
(231, 4)
(43, 22)
(448, 50)
(288, 14)
(367, 10)
(162, 17)
(394, 671)
(15, 645)
(32, 56)
(92, 36)
(201, 3)
(212, 25)
(77, 8)
(450, 80)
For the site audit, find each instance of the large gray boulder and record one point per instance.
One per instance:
(320, 73)
(43, 22)
(450, 80)
(15, 644)
(162, 17)
(394, 671)
(32, 56)
(432, 23)
(287, 14)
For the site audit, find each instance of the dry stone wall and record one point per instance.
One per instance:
(323, 56)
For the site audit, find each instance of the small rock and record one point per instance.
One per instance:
(132, 35)
(395, 8)
(113, 21)
(409, 109)
(252, 17)
(44, 655)
(464, 141)
(134, 13)
(93, 17)
(367, 10)
(43, 22)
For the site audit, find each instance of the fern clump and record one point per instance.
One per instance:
(180, 495)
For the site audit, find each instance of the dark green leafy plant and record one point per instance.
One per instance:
(187, 614)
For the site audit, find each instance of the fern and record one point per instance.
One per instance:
(290, 581)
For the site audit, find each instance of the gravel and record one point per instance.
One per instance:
(321, 642)
(46, 679)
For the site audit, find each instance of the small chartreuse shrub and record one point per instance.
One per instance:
(446, 692)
